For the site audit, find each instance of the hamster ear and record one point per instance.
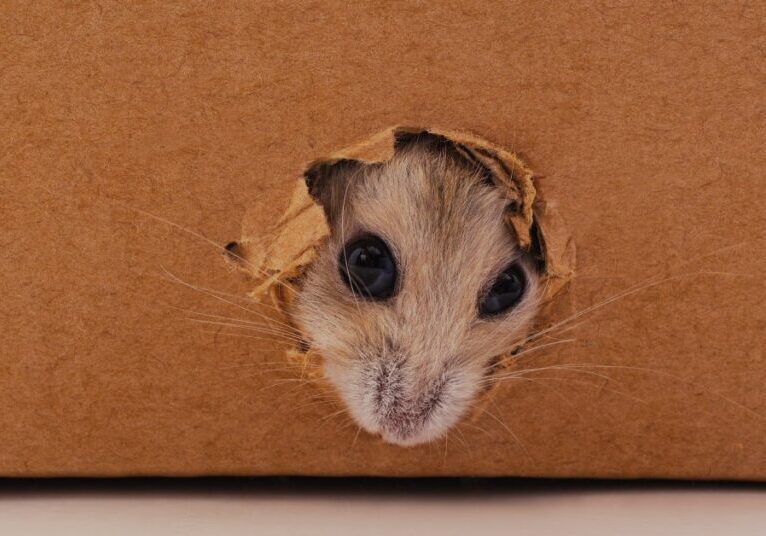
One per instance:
(328, 182)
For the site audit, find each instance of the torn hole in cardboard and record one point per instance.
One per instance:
(276, 258)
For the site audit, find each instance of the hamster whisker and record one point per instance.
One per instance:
(511, 433)
(286, 366)
(215, 295)
(229, 318)
(711, 253)
(333, 415)
(285, 325)
(555, 391)
(551, 367)
(343, 240)
(236, 297)
(258, 334)
(599, 386)
(634, 289)
(217, 246)
(516, 356)
(475, 427)
(281, 382)
(462, 439)
(680, 379)
(276, 339)
(285, 370)
(348, 424)
(541, 380)
(255, 328)
(315, 404)
(577, 367)
(295, 367)
(264, 329)
(356, 436)
(291, 380)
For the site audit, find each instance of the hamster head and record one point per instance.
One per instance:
(419, 288)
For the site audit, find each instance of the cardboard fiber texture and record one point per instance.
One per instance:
(136, 138)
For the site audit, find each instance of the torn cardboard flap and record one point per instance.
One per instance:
(277, 258)
(283, 251)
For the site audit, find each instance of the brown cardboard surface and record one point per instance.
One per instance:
(646, 122)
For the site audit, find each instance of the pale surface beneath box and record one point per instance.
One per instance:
(548, 510)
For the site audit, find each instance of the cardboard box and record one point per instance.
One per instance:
(136, 140)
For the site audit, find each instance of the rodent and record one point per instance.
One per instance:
(420, 286)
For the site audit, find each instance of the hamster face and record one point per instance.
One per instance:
(419, 287)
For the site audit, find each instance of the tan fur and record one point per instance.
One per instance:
(409, 367)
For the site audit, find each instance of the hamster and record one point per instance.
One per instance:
(419, 288)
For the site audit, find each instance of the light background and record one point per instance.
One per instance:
(364, 506)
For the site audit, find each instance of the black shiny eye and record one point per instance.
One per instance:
(506, 291)
(368, 268)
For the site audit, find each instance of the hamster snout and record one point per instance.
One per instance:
(420, 286)
(408, 406)
(399, 408)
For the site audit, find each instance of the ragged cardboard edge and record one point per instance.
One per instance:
(277, 258)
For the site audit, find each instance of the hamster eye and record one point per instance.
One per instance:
(506, 291)
(367, 266)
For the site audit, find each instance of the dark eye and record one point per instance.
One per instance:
(507, 290)
(368, 268)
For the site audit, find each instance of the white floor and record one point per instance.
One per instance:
(362, 507)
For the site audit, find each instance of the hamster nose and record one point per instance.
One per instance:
(388, 389)
(402, 409)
